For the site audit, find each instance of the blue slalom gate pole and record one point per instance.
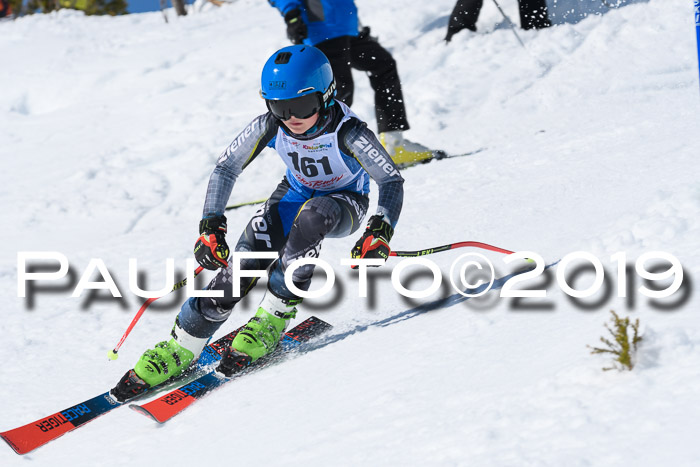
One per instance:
(697, 29)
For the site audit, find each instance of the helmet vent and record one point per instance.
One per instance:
(283, 58)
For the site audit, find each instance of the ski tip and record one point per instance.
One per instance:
(319, 321)
(13, 446)
(141, 410)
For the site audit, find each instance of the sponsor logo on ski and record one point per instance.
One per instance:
(50, 423)
(174, 398)
(62, 418)
(76, 412)
(111, 400)
(183, 393)
(192, 388)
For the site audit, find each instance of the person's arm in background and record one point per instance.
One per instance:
(292, 12)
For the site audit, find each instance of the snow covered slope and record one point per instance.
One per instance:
(111, 126)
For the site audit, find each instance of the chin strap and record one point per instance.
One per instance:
(324, 116)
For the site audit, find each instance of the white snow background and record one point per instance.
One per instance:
(110, 128)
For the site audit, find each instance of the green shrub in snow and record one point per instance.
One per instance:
(623, 346)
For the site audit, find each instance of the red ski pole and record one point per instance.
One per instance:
(113, 354)
(451, 246)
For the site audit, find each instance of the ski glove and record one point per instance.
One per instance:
(296, 29)
(374, 243)
(211, 250)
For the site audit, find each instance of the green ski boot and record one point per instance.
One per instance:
(168, 360)
(261, 335)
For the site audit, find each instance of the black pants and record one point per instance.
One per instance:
(533, 14)
(366, 54)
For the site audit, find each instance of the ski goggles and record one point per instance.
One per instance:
(299, 107)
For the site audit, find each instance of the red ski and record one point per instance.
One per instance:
(167, 406)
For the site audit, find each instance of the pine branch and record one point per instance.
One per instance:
(621, 346)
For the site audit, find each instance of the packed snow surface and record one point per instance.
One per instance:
(588, 141)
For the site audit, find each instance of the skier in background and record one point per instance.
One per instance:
(5, 8)
(533, 14)
(332, 26)
(330, 156)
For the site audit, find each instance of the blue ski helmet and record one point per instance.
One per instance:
(293, 72)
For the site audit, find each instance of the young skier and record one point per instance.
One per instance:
(330, 156)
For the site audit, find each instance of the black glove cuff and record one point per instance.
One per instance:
(292, 15)
(212, 224)
(379, 227)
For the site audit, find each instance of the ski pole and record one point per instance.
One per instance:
(510, 23)
(696, 7)
(113, 354)
(247, 203)
(512, 28)
(451, 246)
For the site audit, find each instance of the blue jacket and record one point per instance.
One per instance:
(325, 19)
